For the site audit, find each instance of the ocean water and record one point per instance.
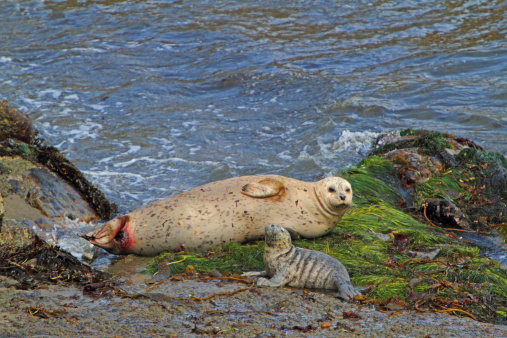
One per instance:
(151, 98)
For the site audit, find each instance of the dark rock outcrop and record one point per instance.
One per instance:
(39, 188)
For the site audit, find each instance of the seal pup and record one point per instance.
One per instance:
(300, 268)
(232, 210)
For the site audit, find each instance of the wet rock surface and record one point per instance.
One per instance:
(43, 192)
(446, 212)
(41, 175)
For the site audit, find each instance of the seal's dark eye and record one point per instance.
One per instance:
(331, 190)
(348, 190)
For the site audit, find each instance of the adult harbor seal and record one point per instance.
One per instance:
(233, 210)
(300, 268)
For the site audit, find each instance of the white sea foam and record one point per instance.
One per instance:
(165, 143)
(5, 59)
(53, 92)
(285, 155)
(95, 50)
(108, 180)
(177, 160)
(135, 160)
(194, 149)
(66, 112)
(87, 130)
(47, 126)
(63, 233)
(263, 162)
(31, 102)
(188, 124)
(132, 150)
(71, 97)
(359, 142)
(99, 107)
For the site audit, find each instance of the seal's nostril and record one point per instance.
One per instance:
(343, 198)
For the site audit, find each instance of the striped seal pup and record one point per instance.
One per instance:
(233, 210)
(300, 268)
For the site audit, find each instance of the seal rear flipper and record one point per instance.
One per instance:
(346, 291)
(264, 188)
(112, 236)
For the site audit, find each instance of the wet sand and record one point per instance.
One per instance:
(168, 310)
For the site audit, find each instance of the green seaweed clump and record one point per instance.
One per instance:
(229, 258)
(489, 168)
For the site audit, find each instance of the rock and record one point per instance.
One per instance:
(54, 184)
(382, 237)
(16, 125)
(13, 236)
(414, 168)
(446, 214)
(36, 192)
(467, 186)
(39, 187)
(54, 160)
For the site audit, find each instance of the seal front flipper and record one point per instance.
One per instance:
(264, 188)
(282, 277)
(346, 290)
(255, 274)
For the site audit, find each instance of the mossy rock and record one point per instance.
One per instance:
(490, 169)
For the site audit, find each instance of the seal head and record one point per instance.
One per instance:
(277, 237)
(334, 194)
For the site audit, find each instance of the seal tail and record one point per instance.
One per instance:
(112, 236)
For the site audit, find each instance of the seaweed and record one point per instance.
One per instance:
(438, 187)
(429, 143)
(489, 168)
(231, 257)
(38, 263)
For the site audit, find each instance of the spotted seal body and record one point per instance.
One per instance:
(232, 210)
(300, 268)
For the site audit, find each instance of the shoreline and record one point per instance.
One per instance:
(257, 312)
